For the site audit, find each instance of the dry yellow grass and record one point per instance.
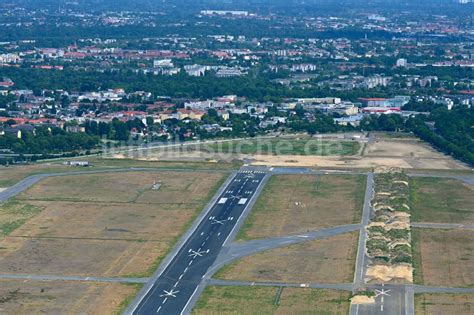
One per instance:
(440, 304)
(63, 297)
(329, 260)
(177, 187)
(444, 257)
(13, 174)
(264, 300)
(298, 203)
(96, 225)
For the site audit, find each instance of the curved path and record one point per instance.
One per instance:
(239, 250)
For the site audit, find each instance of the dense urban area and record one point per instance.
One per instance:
(74, 77)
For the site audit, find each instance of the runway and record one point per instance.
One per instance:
(173, 290)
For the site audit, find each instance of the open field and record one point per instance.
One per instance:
(271, 300)
(13, 174)
(385, 151)
(410, 152)
(110, 162)
(13, 214)
(63, 297)
(441, 200)
(176, 187)
(459, 304)
(329, 260)
(298, 203)
(286, 146)
(96, 225)
(443, 257)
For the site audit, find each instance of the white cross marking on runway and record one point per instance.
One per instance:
(214, 221)
(171, 293)
(381, 292)
(194, 253)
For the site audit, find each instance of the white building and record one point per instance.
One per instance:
(163, 63)
(402, 63)
(222, 12)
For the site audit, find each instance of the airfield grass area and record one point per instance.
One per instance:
(443, 257)
(271, 300)
(299, 203)
(12, 174)
(125, 162)
(459, 304)
(329, 260)
(285, 146)
(441, 200)
(13, 214)
(102, 225)
(64, 297)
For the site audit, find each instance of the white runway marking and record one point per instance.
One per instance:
(170, 293)
(197, 253)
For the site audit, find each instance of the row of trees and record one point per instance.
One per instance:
(255, 86)
(115, 130)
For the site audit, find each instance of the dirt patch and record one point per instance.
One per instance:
(308, 262)
(459, 304)
(62, 297)
(444, 257)
(362, 299)
(381, 273)
(298, 203)
(271, 300)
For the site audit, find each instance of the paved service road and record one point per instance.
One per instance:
(176, 285)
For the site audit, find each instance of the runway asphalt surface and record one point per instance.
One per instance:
(389, 300)
(175, 287)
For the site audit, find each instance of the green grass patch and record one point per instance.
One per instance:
(441, 200)
(123, 305)
(359, 196)
(14, 214)
(261, 300)
(284, 146)
(416, 256)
